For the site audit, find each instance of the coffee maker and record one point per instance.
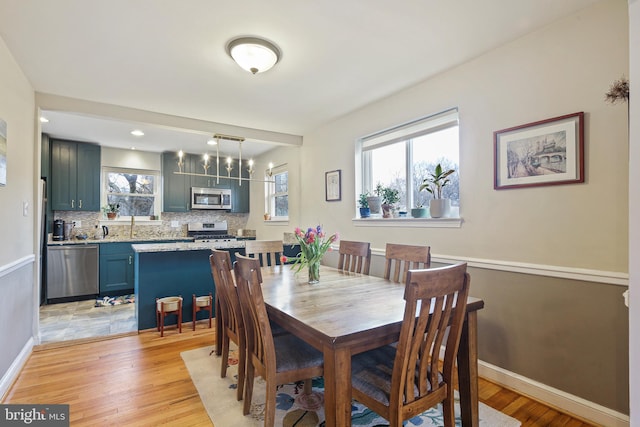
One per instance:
(58, 230)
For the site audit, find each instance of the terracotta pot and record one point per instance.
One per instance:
(111, 215)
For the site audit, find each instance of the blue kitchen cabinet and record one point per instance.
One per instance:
(74, 176)
(116, 269)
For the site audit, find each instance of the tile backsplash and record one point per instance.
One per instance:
(151, 230)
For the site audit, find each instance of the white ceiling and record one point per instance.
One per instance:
(169, 57)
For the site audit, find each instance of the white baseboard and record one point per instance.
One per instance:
(15, 368)
(566, 402)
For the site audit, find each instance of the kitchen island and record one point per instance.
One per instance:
(178, 269)
(174, 269)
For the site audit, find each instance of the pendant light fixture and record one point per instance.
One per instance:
(253, 54)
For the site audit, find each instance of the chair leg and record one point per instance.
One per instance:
(242, 364)
(248, 387)
(270, 406)
(193, 305)
(448, 411)
(162, 321)
(225, 355)
(180, 317)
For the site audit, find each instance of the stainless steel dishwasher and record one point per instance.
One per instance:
(72, 271)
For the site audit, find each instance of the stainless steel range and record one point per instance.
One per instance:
(209, 232)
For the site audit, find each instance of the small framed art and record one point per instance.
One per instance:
(332, 182)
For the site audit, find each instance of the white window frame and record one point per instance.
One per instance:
(403, 132)
(270, 194)
(157, 193)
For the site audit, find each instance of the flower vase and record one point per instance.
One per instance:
(314, 272)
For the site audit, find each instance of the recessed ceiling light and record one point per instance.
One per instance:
(133, 148)
(137, 132)
(212, 142)
(44, 119)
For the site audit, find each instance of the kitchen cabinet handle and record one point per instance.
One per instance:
(130, 260)
(80, 204)
(72, 202)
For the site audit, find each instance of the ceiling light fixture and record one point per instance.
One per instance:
(137, 132)
(229, 162)
(253, 54)
(43, 119)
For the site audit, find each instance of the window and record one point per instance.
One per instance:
(276, 191)
(136, 191)
(401, 157)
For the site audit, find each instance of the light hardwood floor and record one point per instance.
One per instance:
(140, 380)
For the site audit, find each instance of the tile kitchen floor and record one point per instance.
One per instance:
(81, 319)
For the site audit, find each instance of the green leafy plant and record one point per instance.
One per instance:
(111, 208)
(362, 200)
(436, 181)
(390, 196)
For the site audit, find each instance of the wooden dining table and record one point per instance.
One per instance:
(348, 313)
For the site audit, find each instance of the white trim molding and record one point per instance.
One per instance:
(408, 222)
(583, 274)
(553, 397)
(14, 370)
(15, 265)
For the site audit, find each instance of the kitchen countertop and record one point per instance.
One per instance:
(185, 246)
(118, 239)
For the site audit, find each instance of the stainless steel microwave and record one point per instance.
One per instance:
(210, 198)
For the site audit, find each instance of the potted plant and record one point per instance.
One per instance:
(419, 211)
(390, 197)
(434, 183)
(111, 210)
(374, 201)
(365, 212)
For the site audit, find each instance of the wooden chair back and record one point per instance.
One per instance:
(232, 321)
(268, 251)
(399, 259)
(354, 256)
(299, 360)
(439, 296)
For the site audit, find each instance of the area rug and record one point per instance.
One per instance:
(293, 408)
(108, 301)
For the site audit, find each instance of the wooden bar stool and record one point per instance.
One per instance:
(201, 304)
(166, 306)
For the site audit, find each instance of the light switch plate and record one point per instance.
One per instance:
(77, 223)
(175, 224)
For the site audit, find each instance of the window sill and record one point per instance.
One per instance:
(408, 222)
(277, 221)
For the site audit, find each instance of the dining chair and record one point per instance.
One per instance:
(402, 258)
(232, 322)
(401, 381)
(277, 359)
(264, 250)
(354, 256)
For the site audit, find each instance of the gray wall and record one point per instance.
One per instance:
(19, 246)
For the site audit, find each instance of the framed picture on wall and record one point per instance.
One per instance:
(547, 152)
(332, 183)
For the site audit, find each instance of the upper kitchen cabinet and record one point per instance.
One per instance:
(175, 187)
(75, 176)
(240, 193)
(195, 165)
